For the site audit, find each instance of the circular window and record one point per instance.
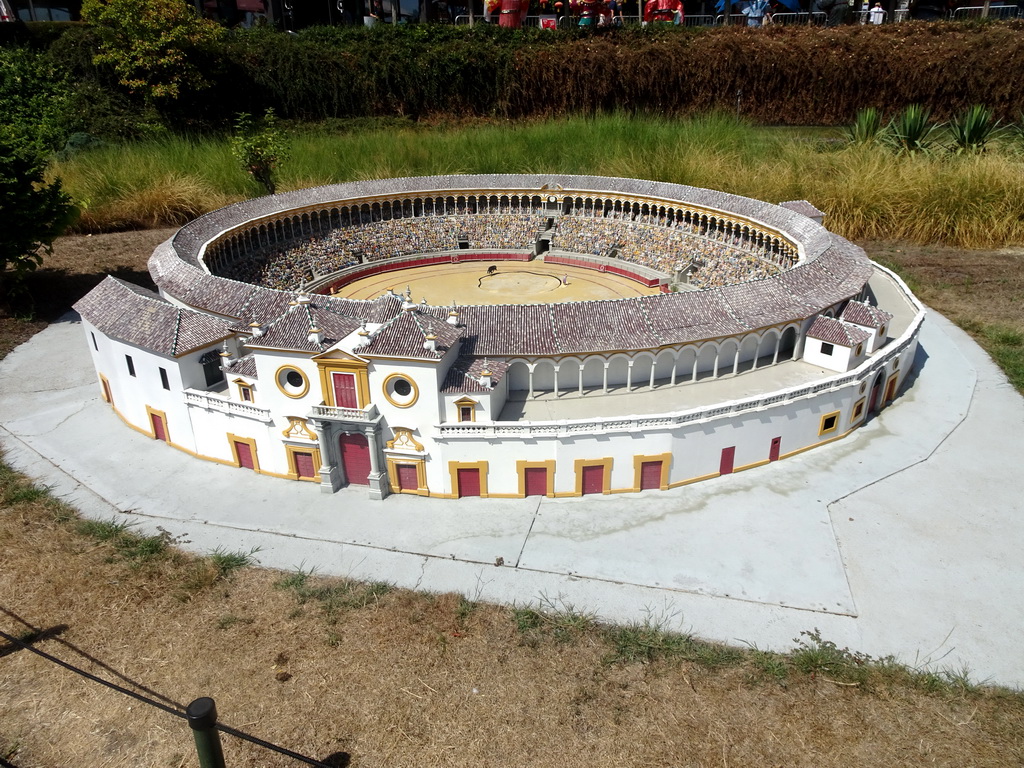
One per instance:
(292, 381)
(400, 390)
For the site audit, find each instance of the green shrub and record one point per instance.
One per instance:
(912, 130)
(973, 130)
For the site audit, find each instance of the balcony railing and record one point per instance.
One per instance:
(345, 414)
(214, 402)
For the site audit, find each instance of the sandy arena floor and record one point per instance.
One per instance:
(515, 282)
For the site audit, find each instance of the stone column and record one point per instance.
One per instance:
(378, 479)
(330, 474)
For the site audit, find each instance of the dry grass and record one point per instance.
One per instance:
(868, 192)
(399, 678)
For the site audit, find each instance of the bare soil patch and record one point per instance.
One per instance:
(77, 264)
(379, 677)
(983, 286)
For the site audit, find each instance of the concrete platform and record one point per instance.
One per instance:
(903, 538)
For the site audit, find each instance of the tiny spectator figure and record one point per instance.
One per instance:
(376, 8)
(615, 8)
(877, 14)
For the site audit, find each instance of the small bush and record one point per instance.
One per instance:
(912, 130)
(973, 130)
(866, 128)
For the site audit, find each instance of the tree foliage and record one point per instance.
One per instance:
(260, 148)
(33, 212)
(150, 44)
(34, 99)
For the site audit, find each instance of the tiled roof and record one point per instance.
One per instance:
(137, 316)
(802, 207)
(292, 329)
(245, 366)
(837, 332)
(406, 334)
(859, 313)
(464, 375)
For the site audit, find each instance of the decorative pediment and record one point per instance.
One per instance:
(299, 429)
(466, 401)
(404, 441)
(340, 357)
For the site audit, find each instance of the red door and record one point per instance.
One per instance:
(345, 390)
(593, 479)
(244, 451)
(536, 481)
(650, 475)
(873, 404)
(408, 480)
(355, 459)
(773, 452)
(728, 456)
(159, 431)
(469, 482)
(304, 465)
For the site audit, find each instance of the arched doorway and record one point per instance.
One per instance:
(355, 458)
(875, 398)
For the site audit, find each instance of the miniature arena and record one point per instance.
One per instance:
(503, 336)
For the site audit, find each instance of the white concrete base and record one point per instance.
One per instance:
(903, 538)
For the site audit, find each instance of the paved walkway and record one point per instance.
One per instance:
(904, 538)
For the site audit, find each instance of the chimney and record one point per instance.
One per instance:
(316, 336)
(431, 343)
(486, 377)
(256, 330)
(226, 360)
(453, 316)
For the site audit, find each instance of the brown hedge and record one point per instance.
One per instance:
(781, 75)
(777, 75)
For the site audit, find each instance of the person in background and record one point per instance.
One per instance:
(755, 12)
(877, 14)
(837, 11)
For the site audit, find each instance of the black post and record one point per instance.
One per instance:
(202, 718)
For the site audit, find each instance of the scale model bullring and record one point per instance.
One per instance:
(747, 333)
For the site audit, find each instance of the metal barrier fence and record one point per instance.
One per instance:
(785, 19)
(864, 17)
(998, 12)
(735, 19)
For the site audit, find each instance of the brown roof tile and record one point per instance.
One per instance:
(137, 316)
(837, 332)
